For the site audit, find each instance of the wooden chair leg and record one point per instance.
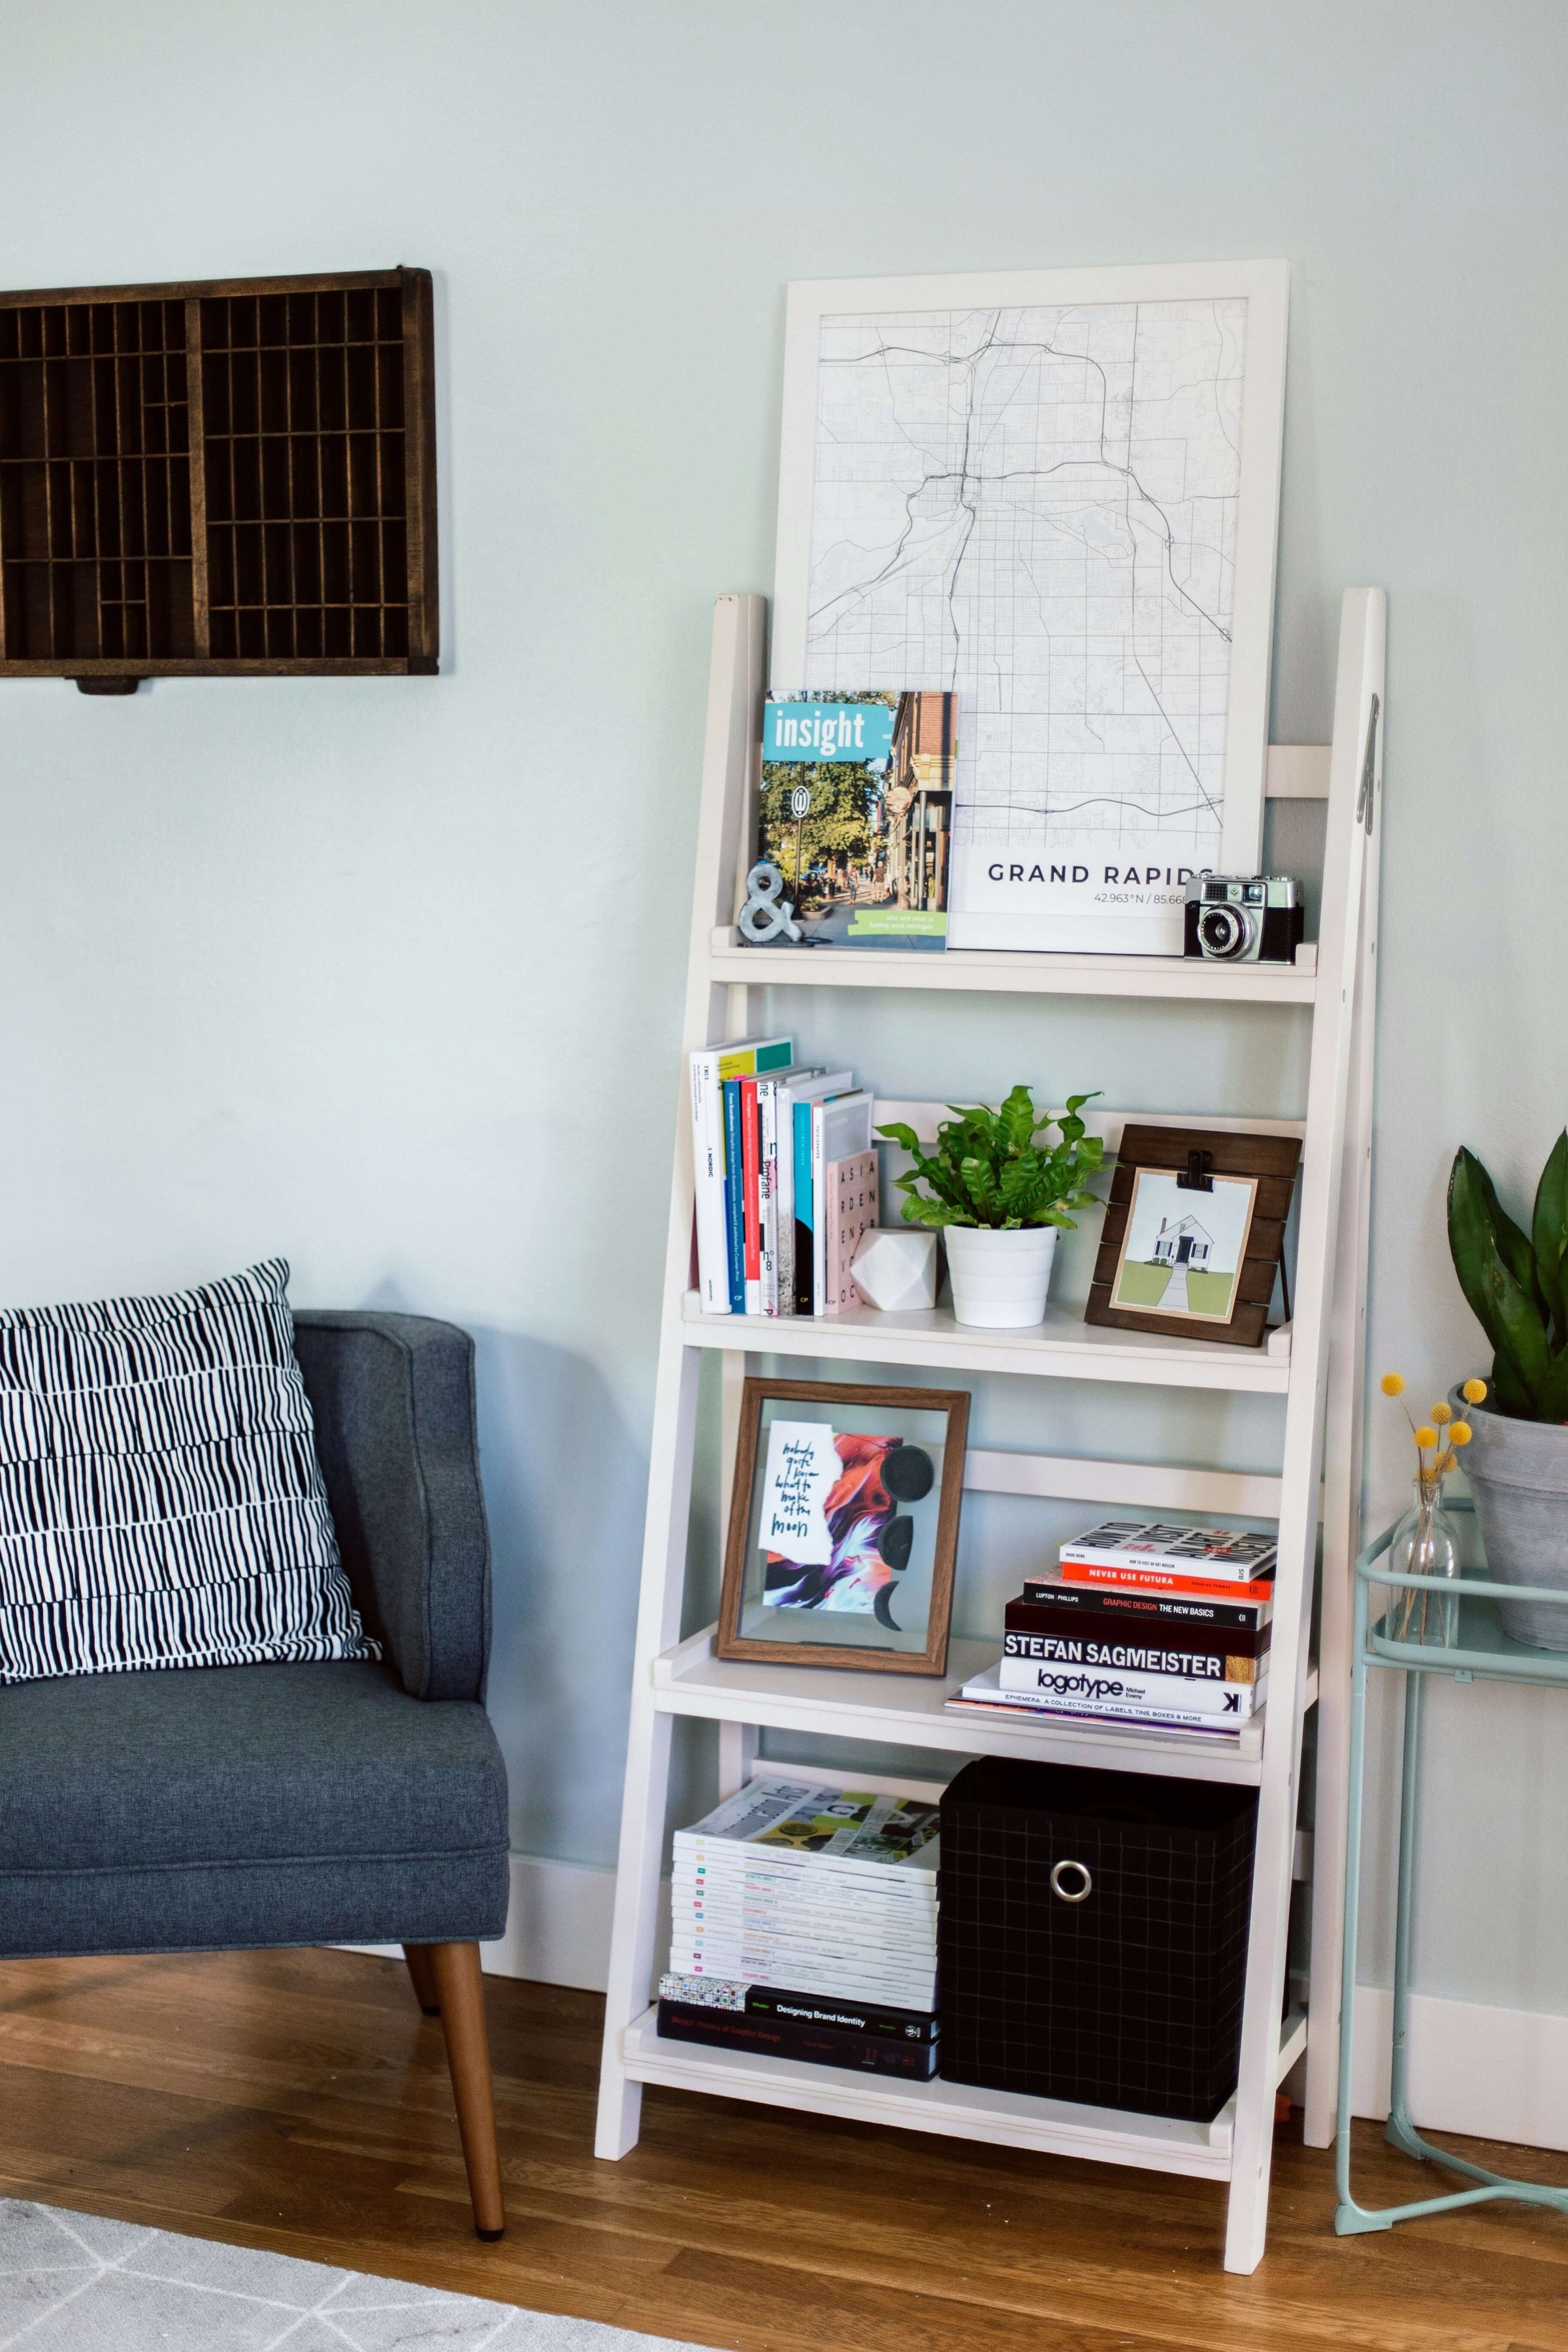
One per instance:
(460, 1990)
(423, 1978)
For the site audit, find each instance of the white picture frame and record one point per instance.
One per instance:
(1146, 920)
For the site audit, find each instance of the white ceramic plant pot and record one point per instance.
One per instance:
(1000, 1280)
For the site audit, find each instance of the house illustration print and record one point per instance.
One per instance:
(1182, 1249)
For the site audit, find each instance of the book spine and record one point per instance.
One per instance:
(738, 1996)
(708, 1180)
(768, 1192)
(785, 1200)
(804, 1209)
(1200, 1665)
(723, 2029)
(851, 1212)
(1105, 1631)
(1082, 1688)
(822, 1210)
(1156, 1579)
(1174, 1608)
(734, 1197)
(751, 1203)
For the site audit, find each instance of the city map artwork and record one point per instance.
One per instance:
(1042, 507)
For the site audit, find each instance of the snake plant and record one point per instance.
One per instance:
(1517, 1282)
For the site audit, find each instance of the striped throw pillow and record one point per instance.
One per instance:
(161, 1504)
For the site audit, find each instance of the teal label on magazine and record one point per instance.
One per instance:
(814, 732)
(899, 926)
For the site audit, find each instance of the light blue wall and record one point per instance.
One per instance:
(387, 975)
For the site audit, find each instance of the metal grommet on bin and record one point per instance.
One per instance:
(1072, 1894)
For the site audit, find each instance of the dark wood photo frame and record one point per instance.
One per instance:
(732, 1643)
(1202, 1153)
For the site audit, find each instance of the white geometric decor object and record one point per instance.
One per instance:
(895, 1269)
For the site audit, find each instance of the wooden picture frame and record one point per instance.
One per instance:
(940, 1527)
(1152, 1171)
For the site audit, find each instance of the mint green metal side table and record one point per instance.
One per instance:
(1464, 1638)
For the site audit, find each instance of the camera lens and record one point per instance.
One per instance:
(1221, 930)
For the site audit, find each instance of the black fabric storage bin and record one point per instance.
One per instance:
(1130, 1997)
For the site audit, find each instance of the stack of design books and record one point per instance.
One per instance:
(1142, 1624)
(786, 1179)
(804, 1925)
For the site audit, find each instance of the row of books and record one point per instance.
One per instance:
(786, 1179)
(1143, 1623)
(804, 1923)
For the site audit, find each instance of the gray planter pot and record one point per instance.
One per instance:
(1517, 1472)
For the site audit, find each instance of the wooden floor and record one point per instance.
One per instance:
(298, 2101)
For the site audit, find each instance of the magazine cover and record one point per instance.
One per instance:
(843, 1826)
(855, 821)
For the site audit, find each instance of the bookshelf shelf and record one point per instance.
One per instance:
(1064, 1347)
(911, 1711)
(1315, 1367)
(955, 2110)
(1018, 975)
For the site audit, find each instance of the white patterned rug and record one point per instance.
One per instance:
(70, 2283)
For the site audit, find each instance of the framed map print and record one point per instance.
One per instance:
(1056, 495)
(844, 1525)
(1195, 1233)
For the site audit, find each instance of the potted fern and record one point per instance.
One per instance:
(999, 1198)
(1517, 1462)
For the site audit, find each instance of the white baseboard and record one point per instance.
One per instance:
(1492, 2073)
(1495, 2074)
(558, 1925)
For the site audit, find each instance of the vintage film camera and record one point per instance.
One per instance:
(1244, 918)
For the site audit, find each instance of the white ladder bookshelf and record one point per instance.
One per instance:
(1315, 1367)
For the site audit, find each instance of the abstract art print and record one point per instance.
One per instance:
(844, 1525)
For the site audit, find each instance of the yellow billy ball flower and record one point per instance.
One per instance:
(1442, 1413)
(1426, 1435)
(1393, 1385)
(1460, 1434)
(1473, 1391)
(1446, 1462)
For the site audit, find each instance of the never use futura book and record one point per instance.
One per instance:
(854, 822)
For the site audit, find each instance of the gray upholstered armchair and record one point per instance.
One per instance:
(344, 1803)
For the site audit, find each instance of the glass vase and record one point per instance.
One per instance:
(1425, 1544)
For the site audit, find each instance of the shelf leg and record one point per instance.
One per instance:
(738, 1745)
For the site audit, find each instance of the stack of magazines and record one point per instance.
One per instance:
(1143, 1623)
(804, 1925)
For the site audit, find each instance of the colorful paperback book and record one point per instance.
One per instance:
(1162, 1579)
(1101, 1690)
(1026, 1622)
(779, 2037)
(1165, 1608)
(855, 821)
(1217, 1555)
(709, 1070)
(852, 1211)
(796, 1254)
(775, 1188)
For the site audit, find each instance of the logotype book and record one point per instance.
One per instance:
(1110, 1698)
(855, 821)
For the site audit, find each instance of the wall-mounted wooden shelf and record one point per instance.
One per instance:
(226, 479)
